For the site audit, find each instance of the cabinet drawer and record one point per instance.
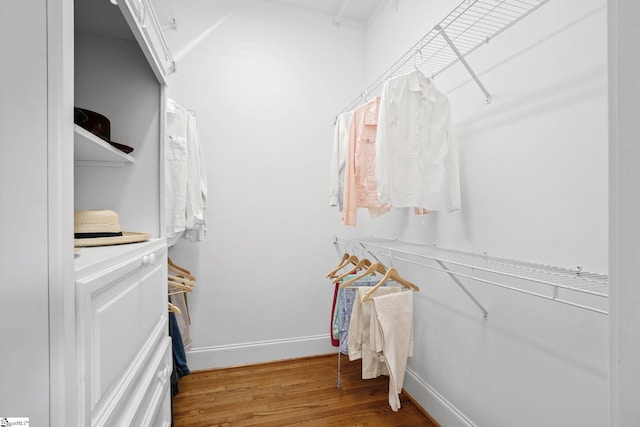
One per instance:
(151, 407)
(121, 319)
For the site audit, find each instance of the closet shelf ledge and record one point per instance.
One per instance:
(88, 149)
(573, 287)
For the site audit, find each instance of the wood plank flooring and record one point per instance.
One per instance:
(300, 392)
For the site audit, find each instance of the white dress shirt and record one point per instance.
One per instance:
(416, 155)
(338, 159)
(185, 177)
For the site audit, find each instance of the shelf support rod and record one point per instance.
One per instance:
(485, 314)
(464, 62)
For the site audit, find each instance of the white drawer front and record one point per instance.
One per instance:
(121, 319)
(122, 322)
(153, 408)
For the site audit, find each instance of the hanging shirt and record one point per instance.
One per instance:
(416, 155)
(338, 157)
(185, 177)
(176, 166)
(197, 186)
(360, 176)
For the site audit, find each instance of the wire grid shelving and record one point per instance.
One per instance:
(573, 287)
(472, 24)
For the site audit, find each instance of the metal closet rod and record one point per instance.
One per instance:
(454, 275)
(473, 23)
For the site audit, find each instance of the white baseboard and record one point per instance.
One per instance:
(258, 352)
(443, 411)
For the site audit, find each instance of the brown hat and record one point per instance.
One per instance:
(101, 228)
(98, 125)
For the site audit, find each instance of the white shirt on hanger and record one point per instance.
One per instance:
(338, 159)
(416, 155)
(185, 177)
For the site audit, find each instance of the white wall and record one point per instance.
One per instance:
(625, 211)
(24, 316)
(534, 188)
(266, 82)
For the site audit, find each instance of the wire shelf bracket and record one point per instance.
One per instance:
(464, 62)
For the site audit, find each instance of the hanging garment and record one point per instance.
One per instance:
(185, 177)
(183, 321)
(334, 340)
(359, 329)
(197, 187)
(393, 337)
(416, 155)
(347, 298)
(360, 189)
(176, 164)
(179, 355)
(338, 157)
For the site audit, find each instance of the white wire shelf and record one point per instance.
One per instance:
(573, 287)
(472, 24)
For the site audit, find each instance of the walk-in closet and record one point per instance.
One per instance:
(310, 212)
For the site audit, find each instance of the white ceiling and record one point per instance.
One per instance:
(353, 11)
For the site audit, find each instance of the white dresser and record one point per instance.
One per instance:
(123, 351)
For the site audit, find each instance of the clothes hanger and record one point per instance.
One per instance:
(172, 308)
(180, 273)
(415, 63)
(179, 286)
(342, 263)
(179, 270)
(373, 268)
(363, 263)
(351, 259)
(182, 280)
(392, 274)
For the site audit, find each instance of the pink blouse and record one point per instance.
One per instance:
(360, 189)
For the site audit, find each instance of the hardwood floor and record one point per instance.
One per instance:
(301, 392)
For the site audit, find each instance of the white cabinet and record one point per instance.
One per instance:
(123, 351)
(148, 32)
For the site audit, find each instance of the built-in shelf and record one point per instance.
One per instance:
(91, 150)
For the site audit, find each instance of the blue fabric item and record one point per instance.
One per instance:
(347, 297)
(179, 356)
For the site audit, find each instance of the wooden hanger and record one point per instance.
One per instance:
(182, 280)
(363, 263)
(180, 271)
(351, 260)
(342, 263)
(174, 309)
(373, 268)
(392, 274)
(180, 286)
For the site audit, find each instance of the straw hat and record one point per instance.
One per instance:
(101, 228)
